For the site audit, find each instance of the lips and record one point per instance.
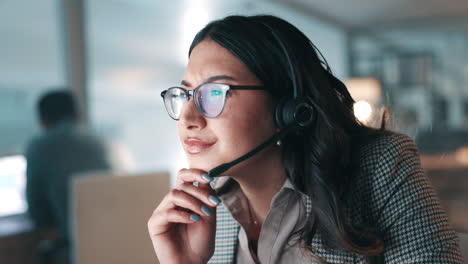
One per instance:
(195, 145)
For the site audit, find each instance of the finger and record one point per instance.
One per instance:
(193, 175)
(186, 201)
(206, 195)
(158, 222)
(178, 216)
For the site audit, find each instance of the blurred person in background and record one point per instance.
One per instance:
(62, 150)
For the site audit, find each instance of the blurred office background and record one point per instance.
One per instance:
(409, 57)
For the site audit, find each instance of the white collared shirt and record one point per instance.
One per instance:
(276, 243)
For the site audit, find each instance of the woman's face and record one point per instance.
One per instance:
(247, 118)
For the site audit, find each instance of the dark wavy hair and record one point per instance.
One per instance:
(322, 160)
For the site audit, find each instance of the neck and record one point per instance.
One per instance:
(261, 182)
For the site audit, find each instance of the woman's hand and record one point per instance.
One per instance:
(183, 226)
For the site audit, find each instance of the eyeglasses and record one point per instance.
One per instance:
(210, 98)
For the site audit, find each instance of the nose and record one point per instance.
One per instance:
(190, 117)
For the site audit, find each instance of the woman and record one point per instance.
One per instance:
(330, 190)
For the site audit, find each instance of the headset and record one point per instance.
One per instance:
(290, 113)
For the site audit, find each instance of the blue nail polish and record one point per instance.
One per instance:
(207, 177)
(214, 199)
(194, 218)
(206, 210)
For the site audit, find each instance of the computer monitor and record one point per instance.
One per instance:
(110, 215)
(12, 184)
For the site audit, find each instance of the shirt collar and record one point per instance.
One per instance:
(227, 187)
(221, 182)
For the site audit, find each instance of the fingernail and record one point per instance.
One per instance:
(194, 217)
(206, 210)
(207, 177)
(214, 199)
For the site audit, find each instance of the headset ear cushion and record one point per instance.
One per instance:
(284, 113)
(279, 113)
(291, 111)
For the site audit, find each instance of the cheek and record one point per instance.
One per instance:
(248, 130)
(179, 131)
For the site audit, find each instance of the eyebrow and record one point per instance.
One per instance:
(211, 79)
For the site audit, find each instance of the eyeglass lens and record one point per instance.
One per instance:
(210, 98)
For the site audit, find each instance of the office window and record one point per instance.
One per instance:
(31, 63)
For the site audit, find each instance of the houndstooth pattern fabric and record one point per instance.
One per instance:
(392, 194)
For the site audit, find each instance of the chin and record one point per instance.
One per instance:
(203, 163)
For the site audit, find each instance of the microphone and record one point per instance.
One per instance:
(225, 166)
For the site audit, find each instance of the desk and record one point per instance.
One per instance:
(18, 241)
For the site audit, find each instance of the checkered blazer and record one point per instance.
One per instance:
(391, 193)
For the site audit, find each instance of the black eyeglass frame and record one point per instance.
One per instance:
(193, 93)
